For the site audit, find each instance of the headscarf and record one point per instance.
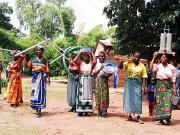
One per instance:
(15, 52)
(41, 47)
(103, 53)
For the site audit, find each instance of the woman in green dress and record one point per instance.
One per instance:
(164, 89)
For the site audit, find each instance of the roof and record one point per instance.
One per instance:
(106, 42)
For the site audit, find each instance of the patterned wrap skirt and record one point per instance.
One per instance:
(72, 91)
(84, 102)
(38, 92)
(132, 96)
(102, 93)
(13, 93)
(163, 100)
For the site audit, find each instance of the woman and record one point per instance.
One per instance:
(165, 87)
(176, 99)
(135, 74)
(40, 72)
(84, 103)
(72, 86)
(101, 87)
(13, 93)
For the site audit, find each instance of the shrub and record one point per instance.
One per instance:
(4, 82)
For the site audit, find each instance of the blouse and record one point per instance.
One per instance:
(167, 72)
(133, 71)
(38, 65)
(97, 67)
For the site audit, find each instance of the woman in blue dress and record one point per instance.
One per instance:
(40, 73)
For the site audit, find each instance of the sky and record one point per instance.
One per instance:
(87, 12)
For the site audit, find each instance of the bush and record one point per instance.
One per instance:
(4, 82)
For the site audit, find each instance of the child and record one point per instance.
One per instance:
(150, 90)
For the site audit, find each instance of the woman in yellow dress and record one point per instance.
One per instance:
(135, 74)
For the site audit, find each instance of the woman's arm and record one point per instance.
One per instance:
(174, 88)
(94, 58)
(120, 65)
(152, 62)
(143, 85)
(76, 58)
(49, 81)
(97, 72)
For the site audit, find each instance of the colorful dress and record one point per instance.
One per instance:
(163, 91)
(133, 85)
(84, 98)
(13, 93)
(101, 89)
(39, 82)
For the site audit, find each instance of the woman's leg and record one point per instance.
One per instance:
(129, 117)
(139, 119)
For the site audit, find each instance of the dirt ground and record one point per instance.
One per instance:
(56, 120)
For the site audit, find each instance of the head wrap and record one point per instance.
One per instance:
(103, 53)
(15, 52)
(41, 47)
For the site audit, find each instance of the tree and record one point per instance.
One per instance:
(90, 39)
(4, 19)
(68, 18)
(159, 14)
(27, 13)
(58, 3)
(126, 14)
(50, 22)
(139, 25)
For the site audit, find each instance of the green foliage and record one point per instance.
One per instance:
(27, 13)
(45, 19)
(8, 40)
(4, 19)
(58, 3)
(126, 15)
(50, 21)
(139, 25)
(90, 39)
(68, 18)
(4, 82)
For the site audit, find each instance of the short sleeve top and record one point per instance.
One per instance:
(133, 71)
(165, 72)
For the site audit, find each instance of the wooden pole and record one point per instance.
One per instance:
(0, 75)
(26, 50)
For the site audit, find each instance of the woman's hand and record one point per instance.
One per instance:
(174, 89)
(155, 55)
(49, 81)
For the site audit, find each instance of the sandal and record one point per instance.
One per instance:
(99, 113)
(129, 118)
(161, 122)
(140, 121)
(168, 121)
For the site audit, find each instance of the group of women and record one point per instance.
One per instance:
(40, 70)
(89, 76)
(91, 70)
